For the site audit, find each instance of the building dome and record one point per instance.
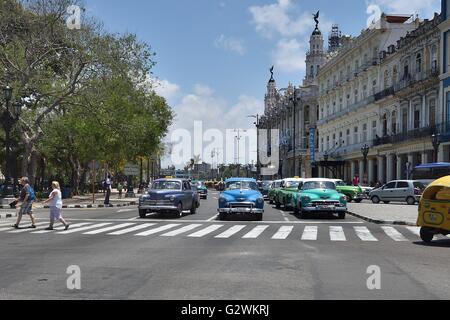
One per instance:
(316, 32)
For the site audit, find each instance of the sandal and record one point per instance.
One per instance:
(67, 227)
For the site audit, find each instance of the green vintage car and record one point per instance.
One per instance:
(287, 191)
(202, 189)
(320, 196)
(353, 193)
(273, 190)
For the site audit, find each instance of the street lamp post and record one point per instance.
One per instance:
(365, 151)
(435, 139)
(257, 142)
(9, 118)
(294, 101)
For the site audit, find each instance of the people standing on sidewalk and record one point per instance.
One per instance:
(55, 199)
(27, 197)
(107, 190)
(120, 188)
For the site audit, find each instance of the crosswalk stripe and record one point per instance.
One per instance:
(310, 233)
(231, 231)
(255, 233)
(70, 231)
(129, 230)
(181, 230)
(392, 233)
(414, 230)
(206, 231)
(4, 224)
(77, 225)
(364, 234)
(125, 210)
(283, 233)
(27, 229)
(119, 226)
(337, 234)
(156, 230)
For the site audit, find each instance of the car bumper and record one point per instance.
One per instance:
(157, 208)
(241, 210)
(320, 209)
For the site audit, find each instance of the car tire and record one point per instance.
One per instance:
(411, 201)
(222, 217)
(341, 215)
(180, 210)
(277, 204)
(296, 211)
(375, 199)
(142, 214)
(194, 208)
(270, 202)
(259, 217)
(426, 235)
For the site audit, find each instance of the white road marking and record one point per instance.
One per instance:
(255, 233)
(394, 234)
(76, 225)
(6, 223)
(364, 234)
(84, 228)
(283, 233)
(156, 230)
(206, 231)
(337, 234)
(28, 229)
(119, 226)
(216, 198)
(310, 233)
(181, 230)
(414, 230)
(133, 219)
(231, 231)
(129, 230)
(213, 218)
(125, 210)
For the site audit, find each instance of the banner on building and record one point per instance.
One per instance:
(312, 144)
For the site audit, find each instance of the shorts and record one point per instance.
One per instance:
(55, 213)
(26, 208)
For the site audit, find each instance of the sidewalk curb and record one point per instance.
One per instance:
(399, 223)
(81, 206)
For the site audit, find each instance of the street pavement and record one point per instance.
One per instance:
(399, 213)
(197, 257)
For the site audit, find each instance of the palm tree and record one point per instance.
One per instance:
(197, 159)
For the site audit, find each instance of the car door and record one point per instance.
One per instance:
(388, 193)
(402, 190)
(187, 195)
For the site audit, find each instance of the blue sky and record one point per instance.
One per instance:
(213, 56)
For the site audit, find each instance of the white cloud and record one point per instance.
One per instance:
(230, 44)
(166, 89)
(289, 56)
(425, 8)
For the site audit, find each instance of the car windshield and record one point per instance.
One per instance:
(247, 185)
(166, 185)
(340, 184)
(266, 184)
(292, 184)
(319, 185)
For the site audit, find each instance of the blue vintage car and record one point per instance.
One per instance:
(169, 196)
(241, 197)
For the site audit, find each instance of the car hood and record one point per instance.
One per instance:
(241, 194)
(322, 193)
(160, 194)
(349, 188)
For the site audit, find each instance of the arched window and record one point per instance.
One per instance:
(394, 122)
(419, 63)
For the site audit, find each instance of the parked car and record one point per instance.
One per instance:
(264, 187)
(284, 194)
(169, 196)
(353, 193)
(434, 207)
(366, 191)
(241, 197)
(408, 191)
(273, 190)
(320, 196)
(201, 188)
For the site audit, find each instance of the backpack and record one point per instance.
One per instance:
(32, 195)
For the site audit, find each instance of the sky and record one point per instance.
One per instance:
(213, 58)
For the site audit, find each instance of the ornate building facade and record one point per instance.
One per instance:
(444, 147)
(381, 90)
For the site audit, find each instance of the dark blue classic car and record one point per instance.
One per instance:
(241, 197)
(169, 196)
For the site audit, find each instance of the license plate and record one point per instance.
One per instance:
(326, 207)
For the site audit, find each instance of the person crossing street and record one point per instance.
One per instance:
(55, 199)
(26, 198)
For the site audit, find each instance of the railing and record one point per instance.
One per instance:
(350, 108)
(385, 93)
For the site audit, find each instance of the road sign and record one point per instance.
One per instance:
(131, 169)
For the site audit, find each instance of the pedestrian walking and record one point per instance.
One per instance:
(356, 180)
(55, 199)
(26, 198)
(107, 189)
(120, 188)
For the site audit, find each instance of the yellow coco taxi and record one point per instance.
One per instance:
(434, 210)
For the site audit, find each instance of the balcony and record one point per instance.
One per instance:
(385, 93)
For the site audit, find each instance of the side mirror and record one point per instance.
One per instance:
(300, 186)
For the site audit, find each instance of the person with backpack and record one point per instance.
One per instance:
(55, 199)
(27, 197)
(120, 188)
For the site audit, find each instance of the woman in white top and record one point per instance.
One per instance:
(55, 200)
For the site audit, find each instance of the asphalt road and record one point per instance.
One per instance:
(198, 257)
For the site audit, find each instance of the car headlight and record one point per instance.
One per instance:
(306, 199)
(260, 200)
(222, 200)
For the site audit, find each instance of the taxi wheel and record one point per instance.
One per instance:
(194, 208)
(341, 215)
(180, 209)
(142, 214)
(277, 204)
(359, 200)
(296, 211)
(426, 235)
(375, 200)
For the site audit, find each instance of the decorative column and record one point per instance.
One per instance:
(361, 171)
(441, 155)
(371, 170)
(381, 169)
(425, 158)
(400, 167)
(390, 167)
(352, 169)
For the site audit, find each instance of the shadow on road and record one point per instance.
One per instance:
(443, 243)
